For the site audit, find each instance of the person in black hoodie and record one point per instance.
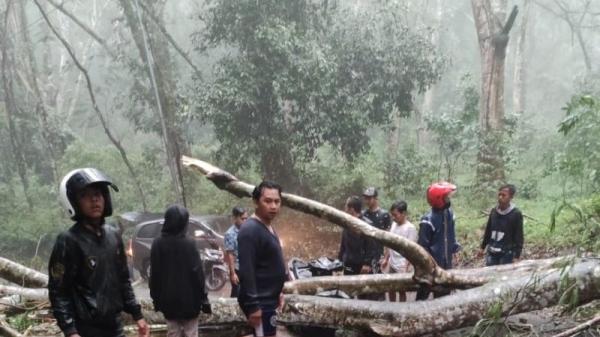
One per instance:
(503, 238)
(176, 276)
(89, 283)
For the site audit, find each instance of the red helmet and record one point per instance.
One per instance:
(437, 192)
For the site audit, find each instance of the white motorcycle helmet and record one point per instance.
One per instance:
(77, 180)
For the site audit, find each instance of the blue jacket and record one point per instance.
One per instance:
(437, 236)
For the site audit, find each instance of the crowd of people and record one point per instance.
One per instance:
(89, 284)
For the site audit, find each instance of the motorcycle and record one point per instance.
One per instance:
(215, 271)
(322, 266)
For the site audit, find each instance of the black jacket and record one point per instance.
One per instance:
(262, 269)
(354, 248)
(504, 231)
(380, 219)
(89, 279)
(176, 275)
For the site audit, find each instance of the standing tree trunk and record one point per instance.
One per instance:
(427, 106)
(520, 73)
(493, 39)
(11, 104)
(50, 137)
(151, 44)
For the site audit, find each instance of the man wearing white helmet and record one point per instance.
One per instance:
(89, 281)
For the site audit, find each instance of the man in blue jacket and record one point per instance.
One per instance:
(436, 231)
(262, 269)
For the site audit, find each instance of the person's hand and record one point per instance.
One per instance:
(75, 335)
(480, 253)
(365, 269)
(255, 318)
(234, 278)
(143, 328)
(281, 302)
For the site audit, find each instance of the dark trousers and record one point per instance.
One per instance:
(497, 259)
(354, 269)
(104, 328)
(424, 291)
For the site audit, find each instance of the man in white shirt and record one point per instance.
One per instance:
(401, 226)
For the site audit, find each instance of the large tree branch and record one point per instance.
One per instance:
(83, 26)
(426, 270)
(35, 294)
(170, 38)
(21, 275)
(464, 308)
(373, 284)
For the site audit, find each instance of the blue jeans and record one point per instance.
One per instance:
(497, 259)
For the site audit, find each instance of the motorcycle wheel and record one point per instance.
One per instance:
(215, 280)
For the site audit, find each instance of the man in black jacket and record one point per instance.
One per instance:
(504, 230)
(354, 247)
(176, 276)
(379, 218)
(262, 269)
(89, 282)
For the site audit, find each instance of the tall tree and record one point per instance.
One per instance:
(303, 74)
(579, 16)
(493, 36)
(520, 71)
(52, 141)
(151, 42)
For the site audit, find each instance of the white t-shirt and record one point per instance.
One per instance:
(397, 262)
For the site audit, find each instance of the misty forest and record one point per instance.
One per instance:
(327, 98)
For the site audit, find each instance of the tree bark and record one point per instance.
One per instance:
(26, 293)
(520, 71)
(428, 97)
(464, 308)
(493, 39)
(379, 283)
(21, 275)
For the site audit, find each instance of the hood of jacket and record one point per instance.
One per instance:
(176, 220)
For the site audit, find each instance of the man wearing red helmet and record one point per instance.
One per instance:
(436, 232)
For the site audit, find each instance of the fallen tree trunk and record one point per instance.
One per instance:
(379, 283)
(426, 270)
(25, 293)
(547, 282)
(464, 308)
(21, 275)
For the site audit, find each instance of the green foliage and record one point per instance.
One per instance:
(578, 157)
(585, 217)
(407, 172)
(304, 75)
(21, 321)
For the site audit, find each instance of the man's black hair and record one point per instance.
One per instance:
(257, 192)
(510, 187)
(354, 202)
(400, 206)
(238, 211)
